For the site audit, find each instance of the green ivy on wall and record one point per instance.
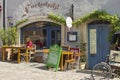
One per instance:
(113, 19)
(103, 15)
(57, 18)
(20, 22)
(94, 15)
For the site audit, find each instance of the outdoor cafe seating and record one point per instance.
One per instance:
(28, 53)
(74, 61)
(20, 50)
(68, 55)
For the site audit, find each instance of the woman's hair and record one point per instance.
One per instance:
(28, 39)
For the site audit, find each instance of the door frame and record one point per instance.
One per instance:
(48, 28)
(94, 56)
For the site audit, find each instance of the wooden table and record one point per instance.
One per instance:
(14, 47)
(67, 53)
(43, 51)
(69, 56)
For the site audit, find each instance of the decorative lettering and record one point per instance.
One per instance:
(41, 5)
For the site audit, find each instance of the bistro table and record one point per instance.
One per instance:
(68, 54)
(18, 50)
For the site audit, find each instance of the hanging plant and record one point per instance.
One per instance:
(57, 18)
(20, 22)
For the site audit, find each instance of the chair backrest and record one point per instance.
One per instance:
(65, 48)
(34, 46)
(76, 52)
(33, 49)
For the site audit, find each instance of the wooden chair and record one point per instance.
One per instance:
(28, 52)
(24, 54)
(32, 52)
(65, 48)
(74, 60)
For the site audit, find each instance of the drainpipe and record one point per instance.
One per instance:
(4, 18)
(4, 14)
(72, 15)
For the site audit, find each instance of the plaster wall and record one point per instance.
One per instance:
(16, 10)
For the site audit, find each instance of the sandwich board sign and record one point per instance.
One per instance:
(53, 58)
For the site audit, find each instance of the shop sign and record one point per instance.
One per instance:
(33, 6)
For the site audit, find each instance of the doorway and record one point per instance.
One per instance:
(43, 34)
(98, 42)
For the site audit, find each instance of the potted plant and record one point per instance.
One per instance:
(9, 36)
(82, 47)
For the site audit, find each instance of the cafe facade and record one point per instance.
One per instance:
(44, 32)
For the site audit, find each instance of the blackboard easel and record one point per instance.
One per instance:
(54, 55)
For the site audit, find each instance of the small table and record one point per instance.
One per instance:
(14, 47)
(67, 53)
(69, 56)
(41, 55)
(43, 51)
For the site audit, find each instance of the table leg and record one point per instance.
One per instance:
(3, 54)
(18, 55)
(27, 56)
(61, 62)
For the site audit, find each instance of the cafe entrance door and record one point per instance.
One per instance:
(98, 42)
(43, 36)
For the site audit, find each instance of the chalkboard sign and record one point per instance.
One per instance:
(54, 55)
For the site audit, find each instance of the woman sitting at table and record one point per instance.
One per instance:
(28, 44)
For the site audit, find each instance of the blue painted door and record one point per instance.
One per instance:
(55, 36)
(98, 43)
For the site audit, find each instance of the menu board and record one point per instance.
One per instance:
(54, 55)
(93, 41)
(71, 36)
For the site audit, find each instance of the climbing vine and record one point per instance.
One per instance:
(20, 22)
(57, 18)
(103, 15)
(113, 19)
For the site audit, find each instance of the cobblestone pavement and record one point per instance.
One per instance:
(38, 71)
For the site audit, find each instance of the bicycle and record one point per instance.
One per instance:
(103, 71)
